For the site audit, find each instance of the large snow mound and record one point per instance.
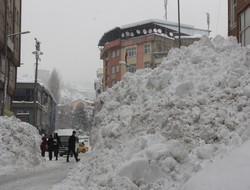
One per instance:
(158, 128)
(19, 145)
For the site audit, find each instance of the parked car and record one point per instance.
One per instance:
(83, 148)
(84, 143)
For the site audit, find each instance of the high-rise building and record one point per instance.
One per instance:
(141, 45)
(10, 45)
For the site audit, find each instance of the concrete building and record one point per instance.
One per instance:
(239, 20)
(141, 45)
(24, 107)
(10, 23)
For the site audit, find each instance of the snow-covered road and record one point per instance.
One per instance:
(39, 178)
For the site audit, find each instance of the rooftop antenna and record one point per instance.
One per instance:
(208, 23)
(166, 9)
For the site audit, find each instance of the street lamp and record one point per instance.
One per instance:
(6, 76)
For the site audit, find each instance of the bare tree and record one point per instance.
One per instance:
(55, 85)
(80, 117)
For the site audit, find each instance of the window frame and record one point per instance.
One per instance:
(131, 52)
(147, 48)
(233, 15)
(131, 68)
(244, 28)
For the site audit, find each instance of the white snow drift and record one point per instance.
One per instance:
(19, 145)
(158, 128)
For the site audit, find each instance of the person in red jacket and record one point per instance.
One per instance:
(43, 146)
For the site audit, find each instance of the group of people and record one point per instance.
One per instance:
(53, 144)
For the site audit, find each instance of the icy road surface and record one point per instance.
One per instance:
(39, 178)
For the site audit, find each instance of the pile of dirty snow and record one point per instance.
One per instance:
(158, 128)
(19, 145)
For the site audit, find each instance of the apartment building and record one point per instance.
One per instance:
(10, 23)
(141, 45)
(239, 20)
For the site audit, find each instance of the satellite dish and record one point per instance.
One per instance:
(138, 31)
(159, 31)
(155, 30)
(127, 33)
(150, 31)
(171, 34)
(132, 34)
(122, 35)
(144, 31)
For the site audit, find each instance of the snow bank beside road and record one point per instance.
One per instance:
(19, 145)
(158, 128)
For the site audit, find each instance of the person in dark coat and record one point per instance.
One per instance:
(50, 146)
(57, 144)
(71, 146)
(43, 146)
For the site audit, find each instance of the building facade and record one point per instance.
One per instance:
(10, 23)
(141, 45)
(239, 20)
(24, 107)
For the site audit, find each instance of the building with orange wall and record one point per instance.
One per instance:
(141, 45)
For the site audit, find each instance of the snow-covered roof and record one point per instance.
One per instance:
(160, 25)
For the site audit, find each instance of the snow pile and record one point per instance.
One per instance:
(19, 145)
(158, 128)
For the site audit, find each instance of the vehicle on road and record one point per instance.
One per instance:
(83, 143)
(83, 148)
(64, 135)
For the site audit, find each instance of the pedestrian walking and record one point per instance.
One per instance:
(50, 146)
(71, 146)
(43, 146)
(57, 144)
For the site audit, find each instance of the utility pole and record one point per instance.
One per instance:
(208, 23)
(179, 24)
(37, 54)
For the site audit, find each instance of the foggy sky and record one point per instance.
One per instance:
(69, 30)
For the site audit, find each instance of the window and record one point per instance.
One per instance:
(131, 52)
(113, 54)
(159, 47)
(113, 70)
(146, 48)
(233, 16)
(12, 74)
(245, 27)
(131, 68)
(147, 64)
(117, 52)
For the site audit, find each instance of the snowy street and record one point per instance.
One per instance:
(39, 178)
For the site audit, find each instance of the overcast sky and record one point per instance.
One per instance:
(69, 30)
